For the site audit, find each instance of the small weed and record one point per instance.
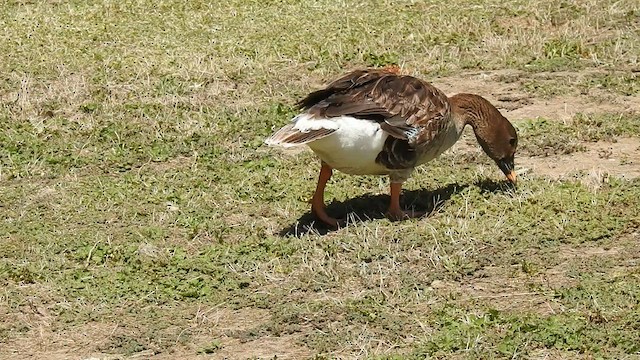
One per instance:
(211, 348)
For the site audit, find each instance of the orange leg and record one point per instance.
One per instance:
(395, 213)
(317, 202)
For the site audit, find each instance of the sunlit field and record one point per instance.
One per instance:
(142, 216)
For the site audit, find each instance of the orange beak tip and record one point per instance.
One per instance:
(512, 177)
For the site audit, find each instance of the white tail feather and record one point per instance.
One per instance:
(303, 129)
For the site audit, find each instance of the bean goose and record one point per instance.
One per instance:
(378, 122)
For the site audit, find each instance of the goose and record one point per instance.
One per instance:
(379, 122)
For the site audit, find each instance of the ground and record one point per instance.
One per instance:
(143, 218)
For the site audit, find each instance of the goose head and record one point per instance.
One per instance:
(495, 134)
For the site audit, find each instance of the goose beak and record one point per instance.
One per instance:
(507, 166)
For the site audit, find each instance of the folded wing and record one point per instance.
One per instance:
(410, 110)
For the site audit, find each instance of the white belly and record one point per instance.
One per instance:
(353, 147)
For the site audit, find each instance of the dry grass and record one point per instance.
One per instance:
(142, 217)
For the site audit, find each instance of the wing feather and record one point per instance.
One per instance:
(289, 136)
(407, 108)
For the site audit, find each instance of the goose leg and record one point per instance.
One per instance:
(317, 202)
(395, 213)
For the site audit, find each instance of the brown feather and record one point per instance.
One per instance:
(288, 135)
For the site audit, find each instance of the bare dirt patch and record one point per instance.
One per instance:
(505, 289)
(234, 333)
(238, 334)
(512, 289)
(42, 341)
(593, 166)
(621, 159)
(268, 347)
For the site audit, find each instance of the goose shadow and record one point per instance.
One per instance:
(493, 186)
(371, 207)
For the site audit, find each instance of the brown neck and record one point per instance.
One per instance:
(495, 134)
(471, 109)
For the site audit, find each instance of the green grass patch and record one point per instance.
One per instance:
(141, 212)
(543, 137)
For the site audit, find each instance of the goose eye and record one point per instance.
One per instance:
(513, 142)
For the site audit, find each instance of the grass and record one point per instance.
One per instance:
(141, 213)
(588, 83)
(542, 137)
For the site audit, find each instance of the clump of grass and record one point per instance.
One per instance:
(211, 348)
(594, 83)
(627, 84)
(461, 331)
(543, 137)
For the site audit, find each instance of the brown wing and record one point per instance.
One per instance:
(407, 108)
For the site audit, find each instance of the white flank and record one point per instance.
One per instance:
(353, 147)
